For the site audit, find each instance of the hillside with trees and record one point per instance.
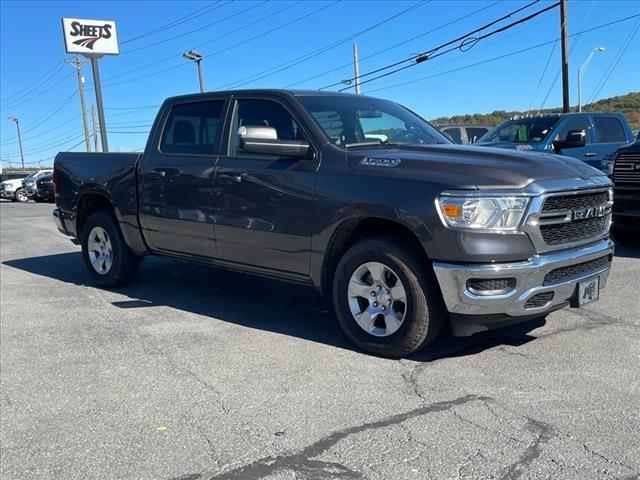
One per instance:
(628, 104)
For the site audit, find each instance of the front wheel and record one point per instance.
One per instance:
(21, 196)
(386, 300)
(108, 258)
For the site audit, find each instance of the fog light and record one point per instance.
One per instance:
(491, 286)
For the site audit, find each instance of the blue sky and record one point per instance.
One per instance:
(254, 43)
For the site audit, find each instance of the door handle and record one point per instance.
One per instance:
(590, 154)
(161, 171)
(231, 177)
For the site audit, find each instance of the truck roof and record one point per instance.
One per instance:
(262, 91)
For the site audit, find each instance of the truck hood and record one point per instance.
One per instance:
(467, 167)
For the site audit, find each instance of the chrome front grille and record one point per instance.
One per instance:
(626, 168)
(570, 218)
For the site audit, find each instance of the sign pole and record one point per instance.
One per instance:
(101, 121)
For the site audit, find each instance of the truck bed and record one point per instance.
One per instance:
(111, 174)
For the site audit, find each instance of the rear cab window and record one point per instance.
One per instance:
(609, 130)
(193, 128)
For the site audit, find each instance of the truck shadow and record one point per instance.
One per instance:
(250, 301)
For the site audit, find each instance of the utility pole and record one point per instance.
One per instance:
(78, 64)
(15, 119)
(356, 68)
(95, 131)
(565, 58)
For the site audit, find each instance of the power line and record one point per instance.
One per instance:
(187, 18)
(415, 57)
(499, 57)
(614, 64)
(174, 56)
(315, 53)
(31, 98)
(349, 64)
(255, 37)
(203, 27)
(37, 82)
(433, 53)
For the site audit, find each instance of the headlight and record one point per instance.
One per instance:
(606, 166)
(490, 213)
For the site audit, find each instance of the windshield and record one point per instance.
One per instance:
(350, 121)
(524, 130)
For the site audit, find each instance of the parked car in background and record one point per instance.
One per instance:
(464, 133)
(29, 183)
(11, 186)
(626, 198)
(404, 233)
(587, 136)
(44, 189)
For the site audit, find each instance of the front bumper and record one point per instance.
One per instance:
(529, 281)
(7, 193)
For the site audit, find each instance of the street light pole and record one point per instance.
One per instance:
(197, 58)
(15, 119)
(581, 70)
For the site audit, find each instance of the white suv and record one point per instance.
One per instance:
(29, 186)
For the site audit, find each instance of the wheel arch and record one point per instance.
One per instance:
(352, 230)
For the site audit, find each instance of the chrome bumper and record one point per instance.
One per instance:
(529, 278)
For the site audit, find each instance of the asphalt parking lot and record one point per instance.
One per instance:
(192, 373)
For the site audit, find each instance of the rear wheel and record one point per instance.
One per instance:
(108, 259)
(386, 300)
(21, 195)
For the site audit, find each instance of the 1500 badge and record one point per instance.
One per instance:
(380, 162)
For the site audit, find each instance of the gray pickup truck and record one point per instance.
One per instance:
(357, 197)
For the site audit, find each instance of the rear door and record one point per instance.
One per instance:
(265, 203)
(177, 180)
(610, 135)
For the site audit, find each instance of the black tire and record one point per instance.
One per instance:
(124, 263)
(425, 313)
(39, 200)
(19, 197)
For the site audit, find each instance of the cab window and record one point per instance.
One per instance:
(192, 128)
(578, 122)
(609, 130)
(263, 113)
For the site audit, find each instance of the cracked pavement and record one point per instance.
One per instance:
(191, 373)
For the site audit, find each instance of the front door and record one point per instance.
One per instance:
(265, 202)
(588, 153)
(176, 191)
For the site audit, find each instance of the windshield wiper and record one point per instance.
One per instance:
(370, 144)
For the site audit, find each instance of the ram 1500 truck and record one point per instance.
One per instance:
(358, 197)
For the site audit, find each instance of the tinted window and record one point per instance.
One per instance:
(609, 130)
(264, 113)
(192, 128)
(455, 133)
(474, 133)
(577, 122)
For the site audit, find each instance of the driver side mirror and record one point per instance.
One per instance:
(264, 140)
(575, 139)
